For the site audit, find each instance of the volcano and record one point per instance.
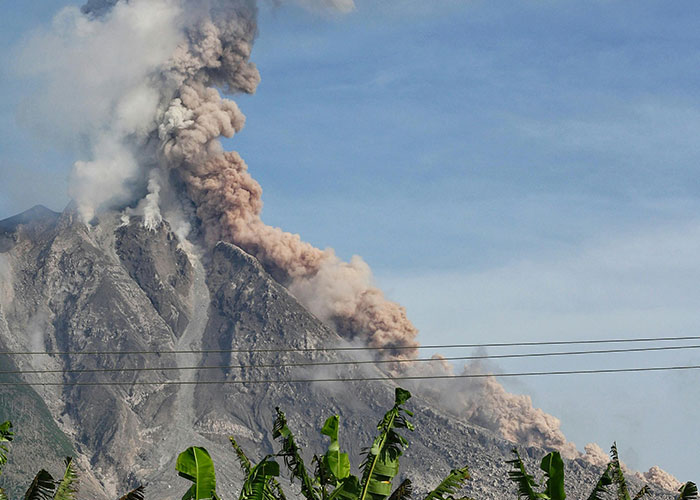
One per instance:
(117, 295)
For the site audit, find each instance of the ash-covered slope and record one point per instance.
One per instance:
(117, 286)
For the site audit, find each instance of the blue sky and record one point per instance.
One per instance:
(511, 170)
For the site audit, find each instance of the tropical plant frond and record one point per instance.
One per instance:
(68, 486)
(6, 435)
(450, 485)
(602, 484)
(334, 461)
(381, 463)
(276, 490)
(402, 491)
(42, 488)
(527, 486)
(347, 489)
(196, 465)
(243, 459)
(644, 491)
(553, 467)
(3, 495)
(688, 491)
(617, 475)
(292, 456)
(137, 494)
(257, 484)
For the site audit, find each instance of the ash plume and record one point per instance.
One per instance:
(150, 112)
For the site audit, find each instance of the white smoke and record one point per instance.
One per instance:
(95, 94)
(150, 205)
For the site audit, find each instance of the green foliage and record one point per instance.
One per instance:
(381, 462)
(403, 491)
(527, 485)
(644, 491)
(196, 465)
(348, 489)
(6, 435)
(257, 484)
(334, 461)
(553, 467)
(602, 484)
(617, 474)
(688, 491)
(450, 485)
(243, 459)
(332, 479)
(292, 456)
(273, 489)
(68, 486)
(137, 494)
(42, 488)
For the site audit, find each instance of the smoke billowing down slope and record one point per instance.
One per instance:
(150, 121)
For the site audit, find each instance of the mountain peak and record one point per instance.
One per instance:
(38, 213)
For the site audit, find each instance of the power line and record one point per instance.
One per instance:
(356, 362)
(360, 379)
(352, 348)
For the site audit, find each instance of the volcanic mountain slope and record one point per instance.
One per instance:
(114, 285)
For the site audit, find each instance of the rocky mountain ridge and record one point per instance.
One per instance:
(114, 285)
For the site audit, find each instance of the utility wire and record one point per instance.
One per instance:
(359, 379)
(351, 348)
(358, 362)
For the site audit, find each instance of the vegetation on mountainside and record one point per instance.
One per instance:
(553, 467)
(331, 477)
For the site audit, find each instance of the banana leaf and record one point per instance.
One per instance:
(292, 456)
(450, 485)
(688, 491)
(257, 484)
(68, 486)
(334, 460)
(137, 494)
(196, 465)
(527, 487)
(381, 463)
(553, 467)
(42, 488)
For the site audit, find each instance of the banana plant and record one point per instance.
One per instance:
(553, 467)
(618, 478)
(379, 467)
(381, 463)
(601, 486)
(196, 465)
(272, 490)
(67, 488)
(402, 491)
(42, 488)
(6, 435)
(334, 462)
(291, 454)
(450, 485)
(688, 491)
(137, 494)
(527, 486)
(257, 484)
